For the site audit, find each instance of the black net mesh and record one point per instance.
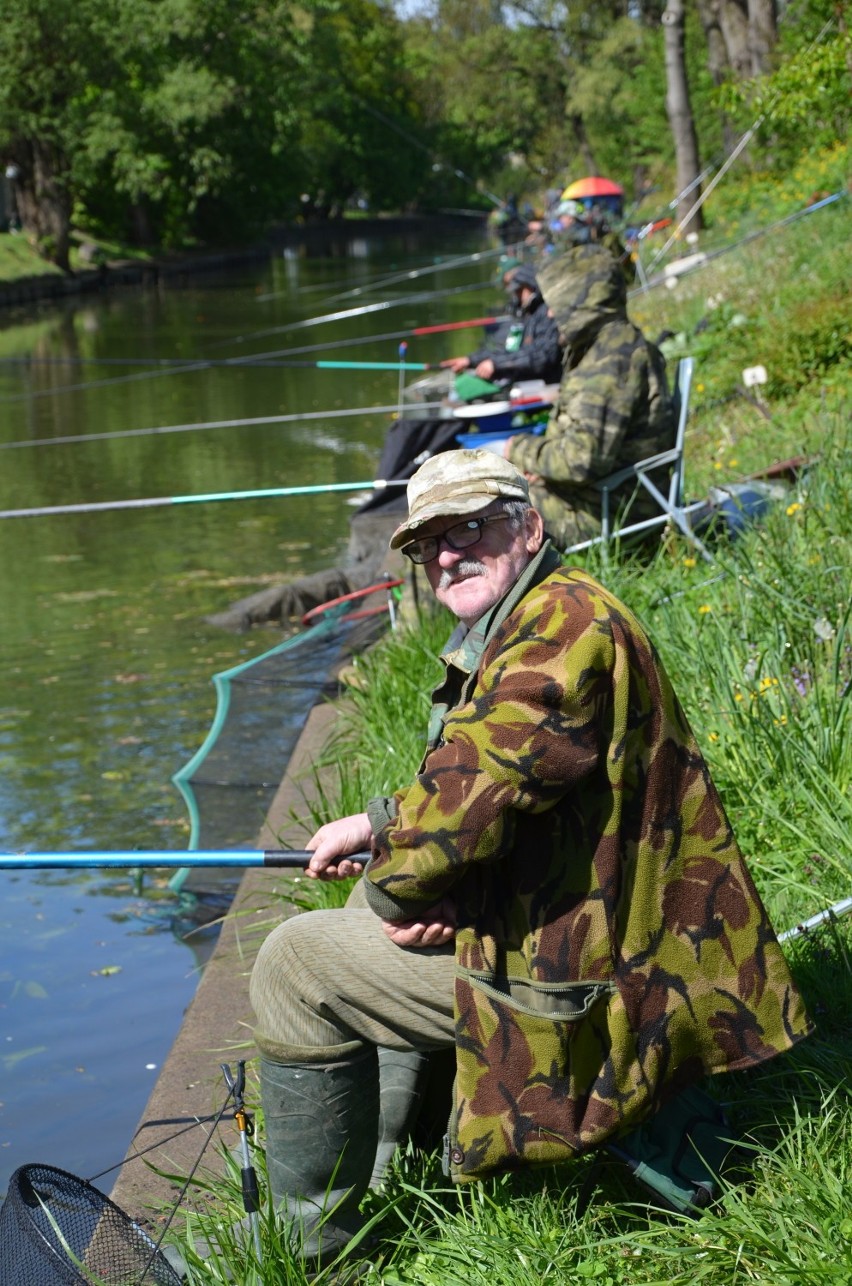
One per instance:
(57, 1229)
(268, 705)
(262, 709)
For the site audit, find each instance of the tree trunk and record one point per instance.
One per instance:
(717, 61)
(44, 203)
(578, 129)
(763, 33)
(733, 22)
(679, 111)
(140, 224)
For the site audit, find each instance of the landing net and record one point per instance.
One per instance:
(57, 1230)
(261, 708)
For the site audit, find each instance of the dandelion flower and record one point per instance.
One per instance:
(704, 609)
(689, 562)
(793, 508)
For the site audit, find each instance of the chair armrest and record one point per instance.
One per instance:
(641, 466)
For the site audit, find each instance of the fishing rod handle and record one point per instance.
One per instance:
(295, 857)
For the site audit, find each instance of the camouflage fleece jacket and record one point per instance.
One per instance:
(611, 947)
(614, 406)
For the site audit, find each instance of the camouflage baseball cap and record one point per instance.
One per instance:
(458, 482)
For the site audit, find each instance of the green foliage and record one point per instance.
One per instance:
(198, 117)
(165, 121)
(379, 737)
(807, 97)
(779, 297)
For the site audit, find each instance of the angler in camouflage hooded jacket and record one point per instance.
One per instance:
(611, 947)
(614, 406)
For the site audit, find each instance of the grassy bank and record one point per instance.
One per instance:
(18, 258)
(760, 649)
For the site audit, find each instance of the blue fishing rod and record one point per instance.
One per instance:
(153, 502)
(278, 859)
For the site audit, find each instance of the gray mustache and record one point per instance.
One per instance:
(467, 567)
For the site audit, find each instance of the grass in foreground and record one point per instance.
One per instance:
(786, 1222)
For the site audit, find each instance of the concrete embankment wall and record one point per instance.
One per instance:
(217, 1026)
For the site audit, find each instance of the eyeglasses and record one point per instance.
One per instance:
(461, 536)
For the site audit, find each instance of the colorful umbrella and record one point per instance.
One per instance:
(591, 187)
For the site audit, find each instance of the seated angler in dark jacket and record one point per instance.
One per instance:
(531, 353)
(528, 349)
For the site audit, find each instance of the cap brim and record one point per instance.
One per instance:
(457, 505)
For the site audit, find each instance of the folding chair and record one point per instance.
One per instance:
(667, 467)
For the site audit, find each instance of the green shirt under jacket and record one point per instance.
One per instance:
(611, 946)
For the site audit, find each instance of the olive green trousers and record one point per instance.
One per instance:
(328, 983)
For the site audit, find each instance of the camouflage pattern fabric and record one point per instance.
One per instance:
(581, 233)
(614, 406)
(611, 946)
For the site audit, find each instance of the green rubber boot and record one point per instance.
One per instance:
(401, 1079)
(321, 1123)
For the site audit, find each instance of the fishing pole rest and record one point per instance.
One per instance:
(245, 1124)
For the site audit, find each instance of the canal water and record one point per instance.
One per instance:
(105, 656)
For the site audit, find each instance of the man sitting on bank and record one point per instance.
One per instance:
(614, 406)
(532, 353)
(557, 896)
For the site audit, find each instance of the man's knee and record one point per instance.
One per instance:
(287, 955)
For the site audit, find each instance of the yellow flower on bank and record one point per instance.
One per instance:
(689, 562)
(713, 736)
(704, 609)
(793, 508)
(732, 464)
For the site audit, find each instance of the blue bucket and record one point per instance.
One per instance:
(496, 441)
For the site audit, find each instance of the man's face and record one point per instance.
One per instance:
(470, 581)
